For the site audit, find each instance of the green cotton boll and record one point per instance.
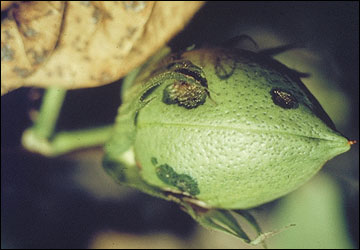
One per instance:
(229, 128)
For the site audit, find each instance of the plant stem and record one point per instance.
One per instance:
(49, 112)
(64, 142)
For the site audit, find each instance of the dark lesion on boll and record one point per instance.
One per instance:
(185, 94)
(189, 88)
(224, 66)
(194, 74)
(186, 184)
(187, 68)
(154, 161)
(284, 98)
(183, 182)
(166, 174)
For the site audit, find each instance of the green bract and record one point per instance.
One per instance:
(219, 128)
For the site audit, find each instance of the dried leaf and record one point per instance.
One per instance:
(84, 44)
(6, 4)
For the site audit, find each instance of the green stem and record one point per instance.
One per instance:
(49, 112)
(64, 142)
(41, 138)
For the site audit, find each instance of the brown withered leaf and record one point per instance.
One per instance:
(84, 44)
(6, 4)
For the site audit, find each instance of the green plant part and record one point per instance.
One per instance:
(263, 135)
(218, 129)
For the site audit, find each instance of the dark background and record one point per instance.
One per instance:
(43, 207)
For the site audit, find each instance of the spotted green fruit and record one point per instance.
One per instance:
(220, 128)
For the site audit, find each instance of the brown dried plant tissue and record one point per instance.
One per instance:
(83, 44)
